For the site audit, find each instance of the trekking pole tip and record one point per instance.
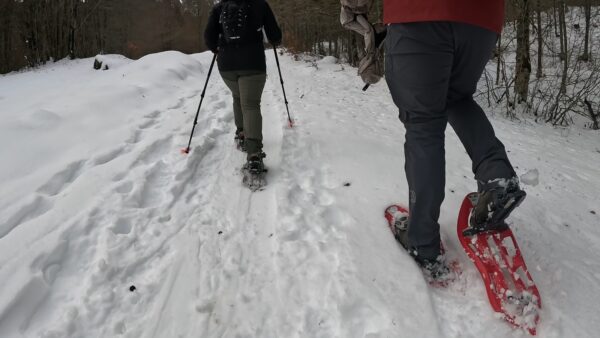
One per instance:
(185, 151)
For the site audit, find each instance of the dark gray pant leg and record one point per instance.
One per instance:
(465, 116)
(419, 58)
(231, 80)
(246, 88)
(487, 153)
(251, 88)
(432, 70)
(425, 171)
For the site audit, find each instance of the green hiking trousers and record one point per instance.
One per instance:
(246, 87)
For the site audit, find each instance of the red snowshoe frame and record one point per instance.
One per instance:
(509, 286)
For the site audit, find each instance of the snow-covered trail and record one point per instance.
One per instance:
(113, 219)
(103, 201)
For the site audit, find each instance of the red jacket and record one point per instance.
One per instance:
(484, 13)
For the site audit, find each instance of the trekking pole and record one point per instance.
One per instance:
(290, 121)
(187, 150)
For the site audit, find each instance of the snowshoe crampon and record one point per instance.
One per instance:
(443, 276)
(254, 178)
(510, 288)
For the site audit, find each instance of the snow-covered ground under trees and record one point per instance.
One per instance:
(107, 230)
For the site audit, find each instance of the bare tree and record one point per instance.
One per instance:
(33, 32)
(523, 66)
(563, 44)
(540, 39)
(588, 16)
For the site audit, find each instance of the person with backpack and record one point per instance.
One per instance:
(235, 33)
(436, 51)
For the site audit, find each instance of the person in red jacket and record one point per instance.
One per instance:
(436, 51)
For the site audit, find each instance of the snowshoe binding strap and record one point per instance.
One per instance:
(240, 141)
(498, 206)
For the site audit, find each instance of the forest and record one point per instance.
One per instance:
(545, 64)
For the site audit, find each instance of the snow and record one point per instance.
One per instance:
(112, 61)
(531, 177)
(96, 200)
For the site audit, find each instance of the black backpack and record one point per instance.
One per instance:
(236, 22)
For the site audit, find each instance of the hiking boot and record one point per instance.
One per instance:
(239, 139)
(255, 164)
(496, 201)
(253, 172)
(436, 270)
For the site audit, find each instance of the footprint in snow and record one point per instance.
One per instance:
(325, 199)
(51, 263)
(155, 151)
(147, 124)
(29, 211)
(178, 105)
(109, 156)
(120, 328)
(24, 304)
(153, 115)
(164, 219)
(120, 176)
(122, 226)
(152, 191)
(62, 179)
(135, 137)
(124, 188)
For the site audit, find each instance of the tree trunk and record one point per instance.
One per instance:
(72, 29)
(498, 59)
(555, 17)
(540, 57)
(523, 67)
(563, 45)
(588, 16)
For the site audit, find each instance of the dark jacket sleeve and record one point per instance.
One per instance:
(213, 29)
(271, 27)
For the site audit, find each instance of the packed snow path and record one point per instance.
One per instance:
(106, 230)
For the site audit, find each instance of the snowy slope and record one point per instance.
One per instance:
(95, 198)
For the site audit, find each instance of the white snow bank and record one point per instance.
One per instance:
(111, 61)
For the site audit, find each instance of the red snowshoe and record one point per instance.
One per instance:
(509, 286)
